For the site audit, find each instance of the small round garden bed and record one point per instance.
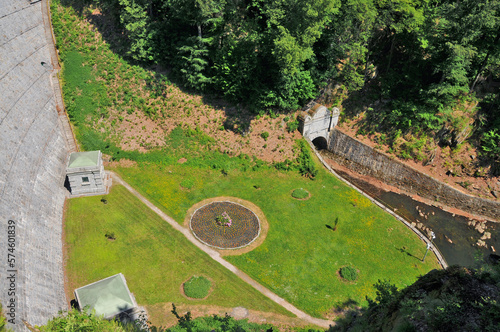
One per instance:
(348, 273)
(301, 194)
(225, 225)
(197, 287)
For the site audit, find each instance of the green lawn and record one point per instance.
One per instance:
(154, 258)
(301, 256)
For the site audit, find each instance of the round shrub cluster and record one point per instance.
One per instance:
(300, 193)
(348, 273)
(187, 183)
(197, 287)
(244, 227)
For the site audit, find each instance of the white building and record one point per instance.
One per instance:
(85, 173)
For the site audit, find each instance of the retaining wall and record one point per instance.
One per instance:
(365, 160)
(33, 155)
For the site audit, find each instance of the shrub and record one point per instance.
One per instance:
(306, 163)
(75, 320)
(197, 287)
(264, 135)
(300, 193)
(348, 273)
(187, 183)
(490, 143)
(292, 125)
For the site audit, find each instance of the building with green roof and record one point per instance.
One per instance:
(85, 173)
(107, 297)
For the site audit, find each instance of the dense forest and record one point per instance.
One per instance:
(454, 299)
(432, 66)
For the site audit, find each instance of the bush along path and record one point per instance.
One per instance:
(217, 257)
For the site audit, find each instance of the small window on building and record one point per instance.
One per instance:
(85, 180)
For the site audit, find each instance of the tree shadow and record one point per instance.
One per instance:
(349, 304)
(345, 313)
(405, 251)
(238, 117)
(334, 227)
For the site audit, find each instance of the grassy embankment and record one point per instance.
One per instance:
(300, 258)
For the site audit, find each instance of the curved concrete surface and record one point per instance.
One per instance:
(33, 154)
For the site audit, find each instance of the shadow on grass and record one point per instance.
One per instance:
(403, 250)
(335, 223)
(346, 312)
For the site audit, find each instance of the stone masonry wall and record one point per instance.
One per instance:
(33, 154)
(365, 160)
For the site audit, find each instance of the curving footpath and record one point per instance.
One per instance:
(217, 257)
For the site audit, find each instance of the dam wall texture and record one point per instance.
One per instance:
(33, 154)
(363, 159)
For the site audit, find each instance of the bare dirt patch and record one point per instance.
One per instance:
(125, 163)
(145, 107)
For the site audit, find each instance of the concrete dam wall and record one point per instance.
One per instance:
(33, 153)
(365, 160)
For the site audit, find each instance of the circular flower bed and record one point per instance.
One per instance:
(225, 225)
(197, 287)
(300, 193)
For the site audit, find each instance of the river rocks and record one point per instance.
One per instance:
(480, 227)
(481, 243)
(486, 236)
(428, 232)
(420, 213)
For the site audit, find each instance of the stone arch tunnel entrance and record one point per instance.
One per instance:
(317, 122)
(320, 143)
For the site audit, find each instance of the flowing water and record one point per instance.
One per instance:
(456, 236)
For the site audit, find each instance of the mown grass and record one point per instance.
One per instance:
(301, 255)
(155, 258)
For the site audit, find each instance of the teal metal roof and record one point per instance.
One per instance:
(83, 159)
(108, 297)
